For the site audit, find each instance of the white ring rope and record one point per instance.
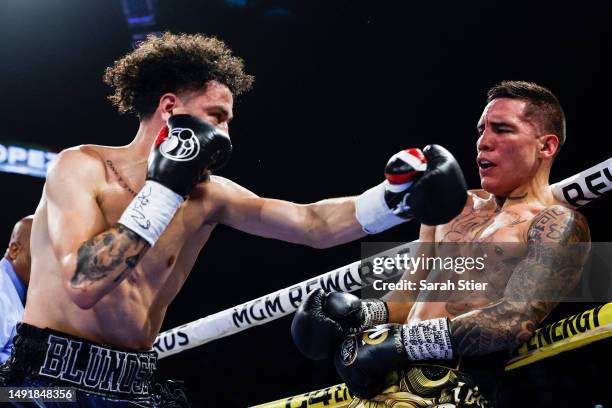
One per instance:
(255, 312)
(575, 191)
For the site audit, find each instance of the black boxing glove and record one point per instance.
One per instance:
(323, 319)
(183, 151)
(440, 193)
(428, 186)
(367, 361)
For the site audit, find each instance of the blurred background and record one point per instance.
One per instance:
(340, 86)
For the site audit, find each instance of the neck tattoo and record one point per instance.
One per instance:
(122, 182)
(500, 200)
(517, 197)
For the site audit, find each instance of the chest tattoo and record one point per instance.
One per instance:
(120, 179)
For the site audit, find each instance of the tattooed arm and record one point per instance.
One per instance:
(93, 259)
(551, 269)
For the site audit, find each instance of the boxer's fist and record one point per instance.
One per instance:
(438, 193)
(401, 171)
(323, 319)
(314, 333)
(428, 186)
(184, 149)
(367, 362)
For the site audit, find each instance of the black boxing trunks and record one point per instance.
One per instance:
(467, 383)
(101, 376)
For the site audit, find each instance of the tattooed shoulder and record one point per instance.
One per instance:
(559, 224)
(551, 269)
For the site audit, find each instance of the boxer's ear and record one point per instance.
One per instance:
(167, 103)
(549, 144)
(13, 250)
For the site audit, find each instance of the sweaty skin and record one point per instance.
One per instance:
(529, 270)
(534, 263)
(96, 279)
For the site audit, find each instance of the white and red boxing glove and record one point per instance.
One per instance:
(427, 185)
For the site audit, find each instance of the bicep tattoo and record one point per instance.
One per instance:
(118, 247)
(557, 249)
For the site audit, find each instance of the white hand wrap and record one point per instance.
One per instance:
(151, 211)
(374, 312)
(428, 339)
(372, 211)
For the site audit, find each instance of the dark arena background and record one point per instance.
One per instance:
(340, 86)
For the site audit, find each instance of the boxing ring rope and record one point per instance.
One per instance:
(253, 313)
(574, 191)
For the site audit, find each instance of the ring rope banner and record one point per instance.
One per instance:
(336, 396)
(574, 191)
(566, 334)
(255, 312)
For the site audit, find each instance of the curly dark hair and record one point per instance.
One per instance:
(172, 63)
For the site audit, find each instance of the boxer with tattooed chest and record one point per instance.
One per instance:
(436, 350)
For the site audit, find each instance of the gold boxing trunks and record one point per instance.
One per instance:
(427, 386)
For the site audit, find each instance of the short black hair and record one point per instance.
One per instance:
(542, 105)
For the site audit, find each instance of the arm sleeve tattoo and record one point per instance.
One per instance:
(557, 249)
(110, 254)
